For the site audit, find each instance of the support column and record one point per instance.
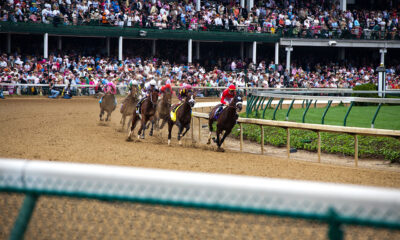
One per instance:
(120, 42)
(276, 53)
(59, 43)
(250, 4)
(343, 5)
(190, 51)
(153, 48)
(342, 54)
(254, 52)
(8, 43)
(288, 50)
(108, 46)
(197, 50)
(198, 5)
(242, 3)
(242, 51)
(46, 46)
(382, 52)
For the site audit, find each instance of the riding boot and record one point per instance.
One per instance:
(138, 105)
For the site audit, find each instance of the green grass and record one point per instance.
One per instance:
(388, 117)
(369, 146)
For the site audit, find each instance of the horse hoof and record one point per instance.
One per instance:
(180, 142)
(150, 134)
(129, 139)
(142, 137)
(138, 137)
(220, 150)
(208, 142)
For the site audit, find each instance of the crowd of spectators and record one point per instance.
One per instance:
(297, 18)
(73, 70)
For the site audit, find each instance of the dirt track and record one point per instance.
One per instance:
(69, 130)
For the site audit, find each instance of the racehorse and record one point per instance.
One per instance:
(147, 112)
(107, 105)
(183, 118)
(226, 120)
(128, 107)
(163, 109)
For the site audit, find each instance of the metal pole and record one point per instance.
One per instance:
(383, 51)
(198, 5)
(120, 43)
(375, 115)
(242, 3)
(108, 46)
(46, 45)
(241, 137)
(254, 52)
(8, 43)
(190, 51)
(153, 48)
(199, 130)
(288, 142)
(319, 147)
(262, 139)
(277, 53)
(356, 150)
(242, 50)
(347, 114)
(197, 50)
(326, 111)
(276, 108)
(305, 111)
(288, 50)
(290, 108)
(268, 104)
(59, 43)
(21, 224)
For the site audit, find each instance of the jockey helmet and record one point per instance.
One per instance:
(232, 87)
(168, 85)
(188, 87)
(134, 82)
(153, 82)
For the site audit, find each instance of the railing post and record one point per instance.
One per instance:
(305, 111)
(355, 150)
(241, 137)
(288, 142)
(335, 232)
(326, 111)
(290, 108)
(191, 129)
(268, 104)
(375, 115)
(319, 146)
(21, 224)
(199, 129)
(347, 114)
(262, 139)
(276, 108)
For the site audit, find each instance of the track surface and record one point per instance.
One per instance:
(69, 130)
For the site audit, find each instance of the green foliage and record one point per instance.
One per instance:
(365, 87)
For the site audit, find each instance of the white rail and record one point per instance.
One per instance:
(201, 189)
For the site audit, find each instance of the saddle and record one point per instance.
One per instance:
(218, 112)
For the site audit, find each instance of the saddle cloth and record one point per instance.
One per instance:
(173, 112)
(218, 112)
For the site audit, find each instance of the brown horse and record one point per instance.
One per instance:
(128, 106)
(183, 118)
(107, 105)
(147, 111)
(163, 109)
(226, 120)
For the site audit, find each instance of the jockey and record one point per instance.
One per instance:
(226, 98)
(183, 92)
(132, 84)
(167, 86)
(146, 91)
(112, 89)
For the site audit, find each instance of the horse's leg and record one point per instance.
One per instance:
(144, 122)
(133, 124)
(162, 124)
(130, 120)
(101, 114)
(180, 129)
(187, 129)
(218, 138)
(210, 128)
(152, 127)
(226, 133)
(170, 125)
(122, 122)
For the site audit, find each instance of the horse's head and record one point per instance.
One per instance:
(237, 103)
(190, 99)
(167, 95)
(154, 97)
